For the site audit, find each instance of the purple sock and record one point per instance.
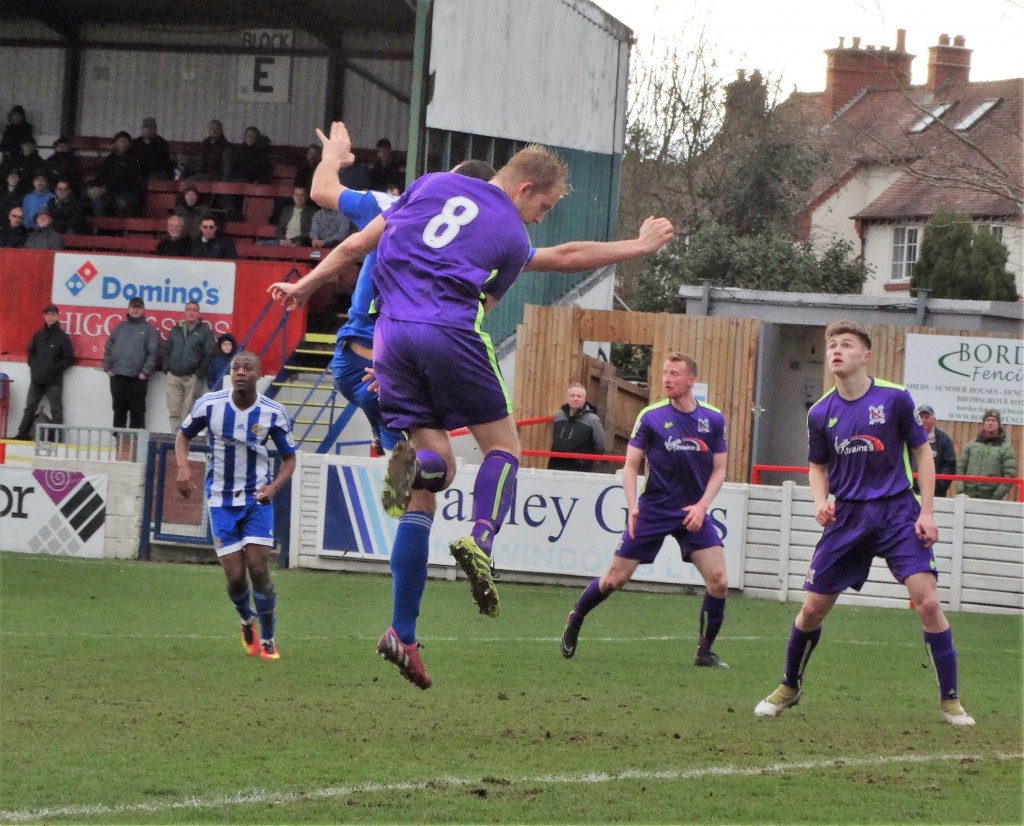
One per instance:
(712, 615)
(943, 654)
(492, 496)
(431, 470)
(589, 600)
(798, 651)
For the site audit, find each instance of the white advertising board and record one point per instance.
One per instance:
(52, 512)
(559, 524)
(962, 376)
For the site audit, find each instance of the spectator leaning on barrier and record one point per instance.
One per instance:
(129, 359)
(942, 450)
(576, 429)
(990, 454)
(49, 356)
(186, 356)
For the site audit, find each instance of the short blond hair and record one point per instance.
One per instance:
(837, 328)
(677, 356)
(537, 165)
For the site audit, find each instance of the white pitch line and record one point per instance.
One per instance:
(469, 640)
(265, 796)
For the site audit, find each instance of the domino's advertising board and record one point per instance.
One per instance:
(93, 290)
(560, 523)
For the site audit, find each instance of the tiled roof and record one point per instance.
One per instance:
(979, 171)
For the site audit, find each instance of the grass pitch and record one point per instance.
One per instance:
(125, 696)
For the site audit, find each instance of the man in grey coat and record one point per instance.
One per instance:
(129, 358)
(186, 356)
(576, 429)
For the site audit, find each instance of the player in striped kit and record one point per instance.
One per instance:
(239, 489)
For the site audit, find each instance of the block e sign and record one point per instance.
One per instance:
(265, 71)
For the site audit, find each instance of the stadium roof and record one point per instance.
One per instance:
(326, 19)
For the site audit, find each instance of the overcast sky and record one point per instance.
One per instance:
(785, 38)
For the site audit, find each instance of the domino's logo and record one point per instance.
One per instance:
(80, 279)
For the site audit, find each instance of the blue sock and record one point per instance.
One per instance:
(943, 654)
(431, 470)
(712, 615)
(265, 605)
(493, 490)
(409, 572)
(241, 603)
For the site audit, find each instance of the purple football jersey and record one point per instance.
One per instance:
(449, 239)
(865, 442)
(680, 449)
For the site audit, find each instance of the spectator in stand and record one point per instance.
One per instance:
(576, 429)
(117, 188)
(989, 454)
(36, 200)
(293, 227)
(304, 177)
(49, 356)
(16, 130)
(177, 243)
(221, 361)
(14, 235)
(152, 153)
(192, 211)
(28, 162)
(44, 236)
(251, 163)
(387, 170)
(212, 244)
(64, 164)
(943, 451)
(329, 228)
(12, 195)
(214, 154)
(129, 359)
(65, 209)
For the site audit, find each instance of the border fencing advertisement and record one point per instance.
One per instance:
(961, 376)
(559, 523)
(52, 512)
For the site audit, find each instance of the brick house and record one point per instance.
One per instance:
(896, 154)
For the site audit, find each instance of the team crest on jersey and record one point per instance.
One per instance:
(259, 432)
(876, 414)
(703, 426)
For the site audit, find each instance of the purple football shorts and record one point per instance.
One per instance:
(862, 531)
(436, 377)
(651, 530)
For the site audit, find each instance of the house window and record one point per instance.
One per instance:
(904, 252)
(976, 114)
(933, 115)
(995, 229)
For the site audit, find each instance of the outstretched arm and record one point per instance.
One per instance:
(337, 154)
(577, 256)
(352, 249)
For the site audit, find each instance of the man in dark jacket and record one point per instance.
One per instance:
(211, 244)
(186, 356)
(942, 450)
(129, 358)
(576, 429)
(177, 242)
(49, 355)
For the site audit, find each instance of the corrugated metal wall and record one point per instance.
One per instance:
(552, 71)
(32, 77)
(370, 112)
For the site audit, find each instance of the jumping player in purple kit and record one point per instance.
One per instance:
(451, 248)
(239, 489)
(684, 442)
(860, 435)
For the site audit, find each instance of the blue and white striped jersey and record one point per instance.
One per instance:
(239, 457)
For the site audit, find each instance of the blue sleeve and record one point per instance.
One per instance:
(281, 433)
(359, 207)
(195, 422)
(817, 439)
(718, 442)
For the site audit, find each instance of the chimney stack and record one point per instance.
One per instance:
(852, 69)
(948, 65)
